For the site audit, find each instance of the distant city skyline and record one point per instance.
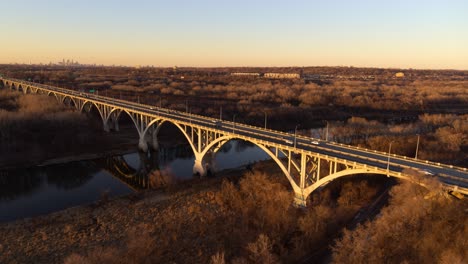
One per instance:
(364, 33)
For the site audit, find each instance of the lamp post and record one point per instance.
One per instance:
(326, 135)
(186, 106)
(221, 113)
(388, 161)
(190, 115)
(295, 134)
(160, 102)
(417, 148)
(266, 116)
(233, 122)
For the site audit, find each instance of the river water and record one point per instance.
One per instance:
(41, 190)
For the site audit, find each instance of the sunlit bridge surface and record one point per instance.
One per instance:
(307, 163)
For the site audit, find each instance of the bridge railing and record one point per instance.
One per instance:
(280, 134)
(437, 164)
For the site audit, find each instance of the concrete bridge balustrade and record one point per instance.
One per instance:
(307, 165)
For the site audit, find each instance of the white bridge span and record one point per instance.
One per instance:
(307, 163)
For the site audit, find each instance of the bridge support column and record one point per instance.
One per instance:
(116, 124)
(154, 140)
(199, 167)
(300, 200)
(114, 119)
(142, 144)
(106, 126)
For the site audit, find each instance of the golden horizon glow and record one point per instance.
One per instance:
(426, 35)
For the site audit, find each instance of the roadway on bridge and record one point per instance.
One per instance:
(447, 174)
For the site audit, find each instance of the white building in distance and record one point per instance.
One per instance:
(273, 75)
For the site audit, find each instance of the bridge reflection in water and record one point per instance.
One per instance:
(151, 170)
(28, 192)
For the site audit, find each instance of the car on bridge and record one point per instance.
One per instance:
(288, 141)
(315, 142)
(426, 172)
(217, 123)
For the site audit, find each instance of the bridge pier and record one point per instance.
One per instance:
(106, 126)
(142, 144)
(111, 125)
(115, 122)
(154, 140)
(300, 201)
(199, 167)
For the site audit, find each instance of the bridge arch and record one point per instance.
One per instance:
(71, 100)
(187, 136)
(91, 105)
(28, 89)
(52, 94)
(224, 139)
(135, 122)
(350, 172)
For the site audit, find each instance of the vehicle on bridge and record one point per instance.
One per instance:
(288, 141)
(217, 123)
(426, 172)
(315, 142)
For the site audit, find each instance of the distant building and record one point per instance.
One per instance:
(311, 76)
(399, 75)
(255, 74)
(273, 75)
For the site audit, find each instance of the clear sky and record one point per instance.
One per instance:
(375, 33)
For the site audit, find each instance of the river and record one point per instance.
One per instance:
(41, 190)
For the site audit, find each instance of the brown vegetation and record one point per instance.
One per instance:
(443, 138)
(39, 126)
(341, 95)
(250, 221)
(418, 226)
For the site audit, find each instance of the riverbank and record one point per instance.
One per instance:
(116, 143)
(51, 238)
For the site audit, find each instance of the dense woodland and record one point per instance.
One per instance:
(417, 226)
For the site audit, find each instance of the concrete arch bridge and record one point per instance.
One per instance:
(307, 163)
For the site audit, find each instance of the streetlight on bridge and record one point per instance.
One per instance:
(190, 115)
(266, 116)
(417, 148)
(326, 135)
(233, 122)
(388, 161)
(295, 134)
